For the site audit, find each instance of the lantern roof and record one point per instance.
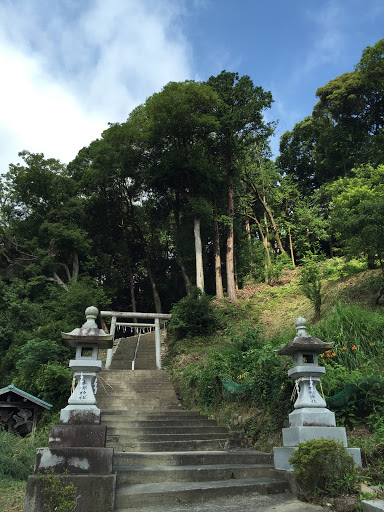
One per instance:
(303, 342)
(88, 332)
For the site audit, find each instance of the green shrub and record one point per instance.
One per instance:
(193, 316)
(324, 468)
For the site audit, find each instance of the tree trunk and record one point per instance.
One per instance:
(185, 275)
(267, 245)
(291, 247)
(176, 213)
(247, 227)
(216, 250)
(199, 255)
(264, 239)
(60, 281)
(267, 210)
(75, 265)
(156, 297)
(132, 289)
(231, 287)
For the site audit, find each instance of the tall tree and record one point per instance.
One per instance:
(240, 113)
(178, 123)
(43, 231)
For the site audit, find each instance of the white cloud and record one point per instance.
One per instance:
(328, 39)
(69, 70)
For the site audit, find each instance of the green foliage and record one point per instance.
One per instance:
(310, 281)
(58, 496)
(357, 400)
(324, 468)
(41, 372)
(340, 267)
(244, 358)
(357, 334)
(193, 316)
(358, 211)
(33, 316)
(17, 454)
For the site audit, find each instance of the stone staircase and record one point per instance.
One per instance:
(165, 455)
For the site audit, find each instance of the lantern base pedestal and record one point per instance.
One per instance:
(312, 417)
(295, 435)
(282, 455)
(80, 415)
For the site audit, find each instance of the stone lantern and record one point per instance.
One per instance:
(77, 452)
(311, 419)
(87, 340)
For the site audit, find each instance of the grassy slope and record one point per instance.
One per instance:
(276, 308)
(279, 306)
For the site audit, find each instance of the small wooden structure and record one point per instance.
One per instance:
(20, 411)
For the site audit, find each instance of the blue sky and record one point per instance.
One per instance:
(71, 66)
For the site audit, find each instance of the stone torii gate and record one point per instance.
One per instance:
(138, 316)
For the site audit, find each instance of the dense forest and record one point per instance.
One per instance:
(185, 193)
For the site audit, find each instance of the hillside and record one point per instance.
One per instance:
(234, 375)
(278, 306)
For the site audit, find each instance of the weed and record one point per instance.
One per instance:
(59, 496)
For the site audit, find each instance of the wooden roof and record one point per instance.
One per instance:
(25, 395)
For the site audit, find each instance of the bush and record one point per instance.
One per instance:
(324, 468)
(193, 316)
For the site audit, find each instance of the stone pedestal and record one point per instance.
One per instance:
(282, 454)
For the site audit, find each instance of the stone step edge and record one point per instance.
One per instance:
(238, 452)
(153, 489)
(164, 412)
(190, 467)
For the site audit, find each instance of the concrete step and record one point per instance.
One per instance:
(181, 423)
(128, 406)
(213, 472)
(153, 395)
(129, 374)
(144, 495)
(172, 445)
(131, 392)
(130, 403)
(127, 429)
(189, 458)
(143, 436)
(147, 415)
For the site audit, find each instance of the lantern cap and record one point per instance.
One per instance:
(303, 342)
(89, 332)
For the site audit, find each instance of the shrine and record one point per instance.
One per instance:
(20, 411)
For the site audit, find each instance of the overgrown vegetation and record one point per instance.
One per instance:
(234, 375)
